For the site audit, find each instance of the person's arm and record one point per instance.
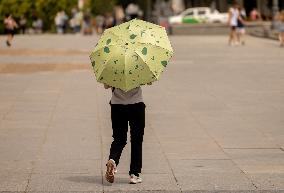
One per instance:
(241, 19)
(230, 16)
(15, 24)
(5, 22)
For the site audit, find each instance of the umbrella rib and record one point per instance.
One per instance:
(125, 71)
(114, 34)
(104, 66)
(146, 64)
(102, 46)
(149, 44)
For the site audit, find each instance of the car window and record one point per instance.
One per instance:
(190, 13)
(201, 12)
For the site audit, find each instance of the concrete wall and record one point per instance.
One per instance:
(213, 29)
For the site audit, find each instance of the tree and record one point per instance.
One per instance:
(44, 9)
(101, 7)
(15, 7)
(47, 10)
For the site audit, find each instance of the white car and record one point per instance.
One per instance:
(199, 15)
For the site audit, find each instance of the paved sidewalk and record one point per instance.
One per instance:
(214, 122)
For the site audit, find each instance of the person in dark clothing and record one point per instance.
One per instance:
(126, 107)
(10, 28)
(241, 31)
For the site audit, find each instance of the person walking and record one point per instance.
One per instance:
(78, 20)
(109, 20)
(126, 107)
(58, 20)
(241, 31)
(65, 19)
(124, 67)
(254, 15)
(132, 11)
(10, 27)
(37, 25)
(233, 23)
(100, 19)
(119, 15)
(23, 24)
(280, 19)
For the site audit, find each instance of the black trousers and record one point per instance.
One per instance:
(121, 115)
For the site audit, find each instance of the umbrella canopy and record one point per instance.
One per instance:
(131, 54)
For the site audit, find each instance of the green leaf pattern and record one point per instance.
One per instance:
(109, 62)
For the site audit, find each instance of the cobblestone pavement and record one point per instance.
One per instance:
(214, 121)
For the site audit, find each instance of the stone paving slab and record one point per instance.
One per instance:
(151, 183)
(268, 181)
(210, 175)
(65, 182)
(213, 122)
(259, 161)
(13, 182)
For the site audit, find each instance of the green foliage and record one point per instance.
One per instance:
(44, 9)
(47, 10)
(101, 7)
(15, 7)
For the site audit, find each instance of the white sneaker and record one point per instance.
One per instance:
(135, 179)
(111, 170)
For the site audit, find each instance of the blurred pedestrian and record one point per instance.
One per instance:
(78, 20)
(10, 27)
(72, 20)
(109, 20)
(87, 24)
(72, 24)
(59, 23)
(233, 23)
(213, 6)
(37, 25)
(280, 19)
(254, 15)
(99, 24)
(119, 15)
(23, 24)
(132, 11)
(64, 18)
(177, 6)
(241, 31)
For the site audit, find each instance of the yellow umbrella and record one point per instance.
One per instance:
(131, 54)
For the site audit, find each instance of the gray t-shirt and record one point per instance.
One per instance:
(130, 97)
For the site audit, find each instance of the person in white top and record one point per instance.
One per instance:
(280, 19)
(234, 15)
